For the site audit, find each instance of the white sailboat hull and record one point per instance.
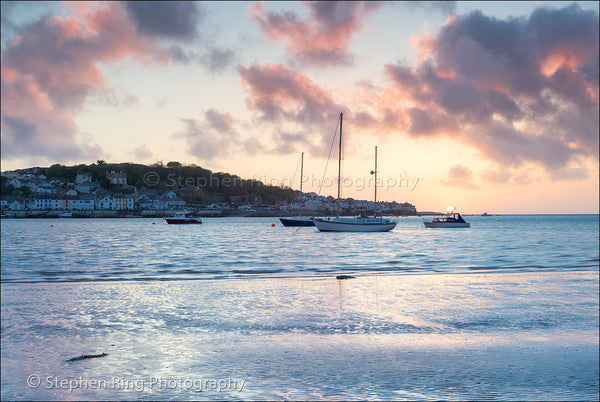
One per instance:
(354, 225)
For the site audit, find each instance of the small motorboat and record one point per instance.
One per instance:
(66, 215)
(182, 218)
(451, 220)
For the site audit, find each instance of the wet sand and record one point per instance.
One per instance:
(497, 336)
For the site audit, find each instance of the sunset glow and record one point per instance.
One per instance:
(469, 106)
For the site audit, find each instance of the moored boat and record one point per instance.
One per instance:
(66, 215)
(181, 218)
(360, 223)
(452, 220)
(299, 221)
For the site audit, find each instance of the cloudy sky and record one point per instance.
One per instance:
(489, 106)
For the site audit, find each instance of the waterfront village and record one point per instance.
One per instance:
(30, 193)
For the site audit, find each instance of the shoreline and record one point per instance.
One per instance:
(234, 213)
(307, 277)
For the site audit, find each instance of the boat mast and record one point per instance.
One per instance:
(375, 173)
(339, 166)
(301, 170)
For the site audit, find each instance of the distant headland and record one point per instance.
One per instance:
(104, 189)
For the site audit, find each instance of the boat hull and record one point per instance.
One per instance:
(183, 221)
(354, 225)
(446, 225)
(296, 222)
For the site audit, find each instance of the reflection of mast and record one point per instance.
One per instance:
(340, 295)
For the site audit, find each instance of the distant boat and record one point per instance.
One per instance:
(181, 218)
(7, 216)
(486, 214)
(298, 221)
(66, 215)
(451, 220)
(360, 223)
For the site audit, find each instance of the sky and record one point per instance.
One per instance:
(486, 106)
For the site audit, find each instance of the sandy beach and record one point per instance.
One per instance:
(497, 336)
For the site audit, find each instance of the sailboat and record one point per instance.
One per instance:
(298, 221)
(361, 223)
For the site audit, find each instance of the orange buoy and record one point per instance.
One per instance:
(272, 224)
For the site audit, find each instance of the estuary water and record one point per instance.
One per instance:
(59, 250)
(236, 309)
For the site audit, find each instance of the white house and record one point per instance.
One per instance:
(124, 201)
(106, 203)
(117, 178)
(47, 203)
(82, 203)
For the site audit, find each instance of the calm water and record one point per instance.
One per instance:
(505, 310)
(148, 249)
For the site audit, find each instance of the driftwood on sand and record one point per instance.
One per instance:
(83, 357)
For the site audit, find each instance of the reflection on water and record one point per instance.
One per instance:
(478, 336)
(37, 250)
(505, 310)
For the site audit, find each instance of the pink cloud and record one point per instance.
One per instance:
(324, 36)
(518, 90)
(216, 135)
(281, 93)
(301, 109)
(459, 176)
(222, 122)
(52, 67)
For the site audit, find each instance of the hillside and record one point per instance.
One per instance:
(131, 186)
(194, 183)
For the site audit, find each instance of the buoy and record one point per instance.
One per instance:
(153, 223)
(272, 224)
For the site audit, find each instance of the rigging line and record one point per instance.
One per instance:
(329, 156)
(295, 171)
